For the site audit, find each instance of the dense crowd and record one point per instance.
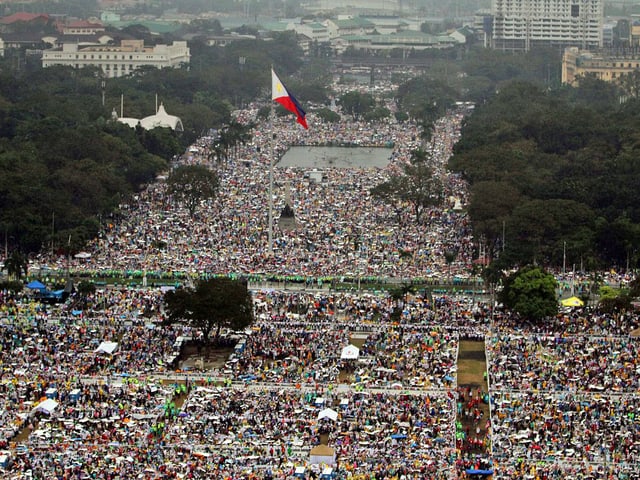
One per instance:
(353, 234)
(565, 363)
(222, 428)
(89, 389)
(560, 404)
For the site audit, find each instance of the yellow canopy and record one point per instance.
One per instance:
(572, 302)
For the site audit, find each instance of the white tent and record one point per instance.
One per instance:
(47, 406)
(82, 255)
(328, 413)
(350, 352)
(322, 454)
(162, 119)
(327, 472)
(106, 347)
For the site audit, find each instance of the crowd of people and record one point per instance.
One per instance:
(94, 388)
(564, 396)
(353, 234)
(567, 363)
(75, 407)
(560, 404)
(565, 427)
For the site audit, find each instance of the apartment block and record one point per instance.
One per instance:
(526, 24)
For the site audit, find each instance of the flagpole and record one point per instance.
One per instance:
(272, 153)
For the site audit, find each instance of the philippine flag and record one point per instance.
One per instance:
(280, 94)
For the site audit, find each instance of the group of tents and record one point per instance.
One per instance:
(41, 292)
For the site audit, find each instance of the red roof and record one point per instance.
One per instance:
(83, 24)
(23, 17)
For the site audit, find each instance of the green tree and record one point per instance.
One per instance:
(233, 135)
(400, 293)
(631, 83)
(555, 166)
(377, 114)
(425, 100)
(531, 292)
(191, 184)
(16, 265)
(417, 186)
(491, 204)
(316, 70)
(613, 300)
(327, 115)
(357, 104)
(85, 289)
(213, 304)
(219, 150)
(390, 192)
(538, 230)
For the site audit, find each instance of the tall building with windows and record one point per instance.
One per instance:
(118, 61)
(527, 24)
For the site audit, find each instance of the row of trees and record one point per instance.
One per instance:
(553, 175)
(63, 165)
(531, 292)
(66, 166)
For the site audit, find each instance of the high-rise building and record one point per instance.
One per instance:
(527, 24)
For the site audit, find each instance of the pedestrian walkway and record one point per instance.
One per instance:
(473, 422)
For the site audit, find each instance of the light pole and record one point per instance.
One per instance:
(273, 152)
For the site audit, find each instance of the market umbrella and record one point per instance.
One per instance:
(35, 285)
(328, 413)
(572, 302)
(350, 352)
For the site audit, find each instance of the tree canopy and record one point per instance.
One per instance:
(192, 184)
(213, 304)
(357, 104)
(554, 170)
(65, 163)
(417, 186)
(531, 292)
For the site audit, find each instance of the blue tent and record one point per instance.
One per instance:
(35, 285)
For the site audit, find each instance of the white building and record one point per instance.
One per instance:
(316, 31)
(118, 61)
(526, 24)
(349, 26)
